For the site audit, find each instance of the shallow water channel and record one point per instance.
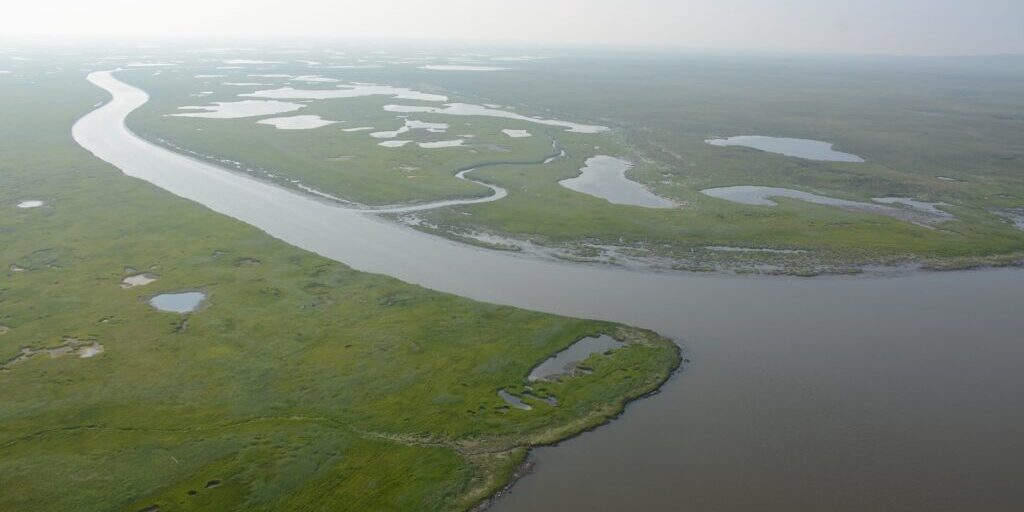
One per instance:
(836, 393)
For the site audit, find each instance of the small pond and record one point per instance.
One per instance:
(605, 177)
(183, 302)
(513, 400)
(562, 362)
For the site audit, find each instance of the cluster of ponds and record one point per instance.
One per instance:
(913, 210)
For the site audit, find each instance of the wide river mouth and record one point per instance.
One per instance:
(817, 394)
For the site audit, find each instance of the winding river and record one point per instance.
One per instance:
(834, 394)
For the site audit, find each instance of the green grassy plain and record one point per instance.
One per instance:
(915, 121)
(302, 385)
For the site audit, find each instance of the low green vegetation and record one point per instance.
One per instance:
(300, 385)
(938, 130)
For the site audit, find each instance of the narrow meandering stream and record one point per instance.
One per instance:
(839, 394)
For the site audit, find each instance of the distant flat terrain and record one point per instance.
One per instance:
(946, 133)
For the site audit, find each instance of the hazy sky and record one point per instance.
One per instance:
(845, 26)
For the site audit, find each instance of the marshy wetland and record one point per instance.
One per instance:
(272, 397)
(668, 129)
(846, 379)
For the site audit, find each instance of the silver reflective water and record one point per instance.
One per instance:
(467, 109)
(307, 122)
(238, 109)
(799, 148)
(839, 394)
(346, 91)
(605, 177)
